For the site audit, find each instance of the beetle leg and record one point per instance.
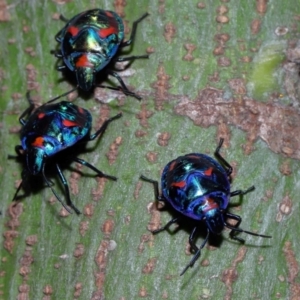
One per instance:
(123, 87)
(18, 150)
(120, 89)
(67, 191)
(233, 232)
(191, 240)
(104, 126)
(57, 53)
(21, 185)
(241, 192)
(17, 191)
(175, 220)
(58, 36)
(155, 186)
(100, 174)
(28, 110)
(235, 228)
(128, 58)
(195, 248)
(221, 158)
(61, 68)
(60, 96)
(63, 18)
(133, 31)
(50, 184)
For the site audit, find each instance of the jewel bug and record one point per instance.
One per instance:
(89, 42)
(198, 187)
(51, 132)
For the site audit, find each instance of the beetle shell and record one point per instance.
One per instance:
(51, 129)
(88, 43)
(197, 186)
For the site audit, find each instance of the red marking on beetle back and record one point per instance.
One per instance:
(83, 62)
(69, 123)
(41, 115)
(179, 184)
(109, 14)
(73, 30)
(105, 32)
(210, 204)
(38, 142)
(208, 172)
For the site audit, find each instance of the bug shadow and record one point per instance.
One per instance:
(33, 185)
(30, 184)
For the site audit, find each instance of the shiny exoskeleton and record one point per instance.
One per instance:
(49, 130)
(198, 187)
(90, 41)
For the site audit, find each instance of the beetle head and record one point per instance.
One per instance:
(87, 65)
(85, 78)
(215, 220)
(34, 160)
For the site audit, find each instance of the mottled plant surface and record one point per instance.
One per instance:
(216, 69)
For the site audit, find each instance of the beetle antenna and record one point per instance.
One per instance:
(58, 198)
(62, 95)
(198, 250)
(17, 191)
(246, 231)
(22, 184)
(49, 183)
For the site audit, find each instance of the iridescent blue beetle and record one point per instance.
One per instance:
(89, 42)
(50, 130)
(198, 187)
